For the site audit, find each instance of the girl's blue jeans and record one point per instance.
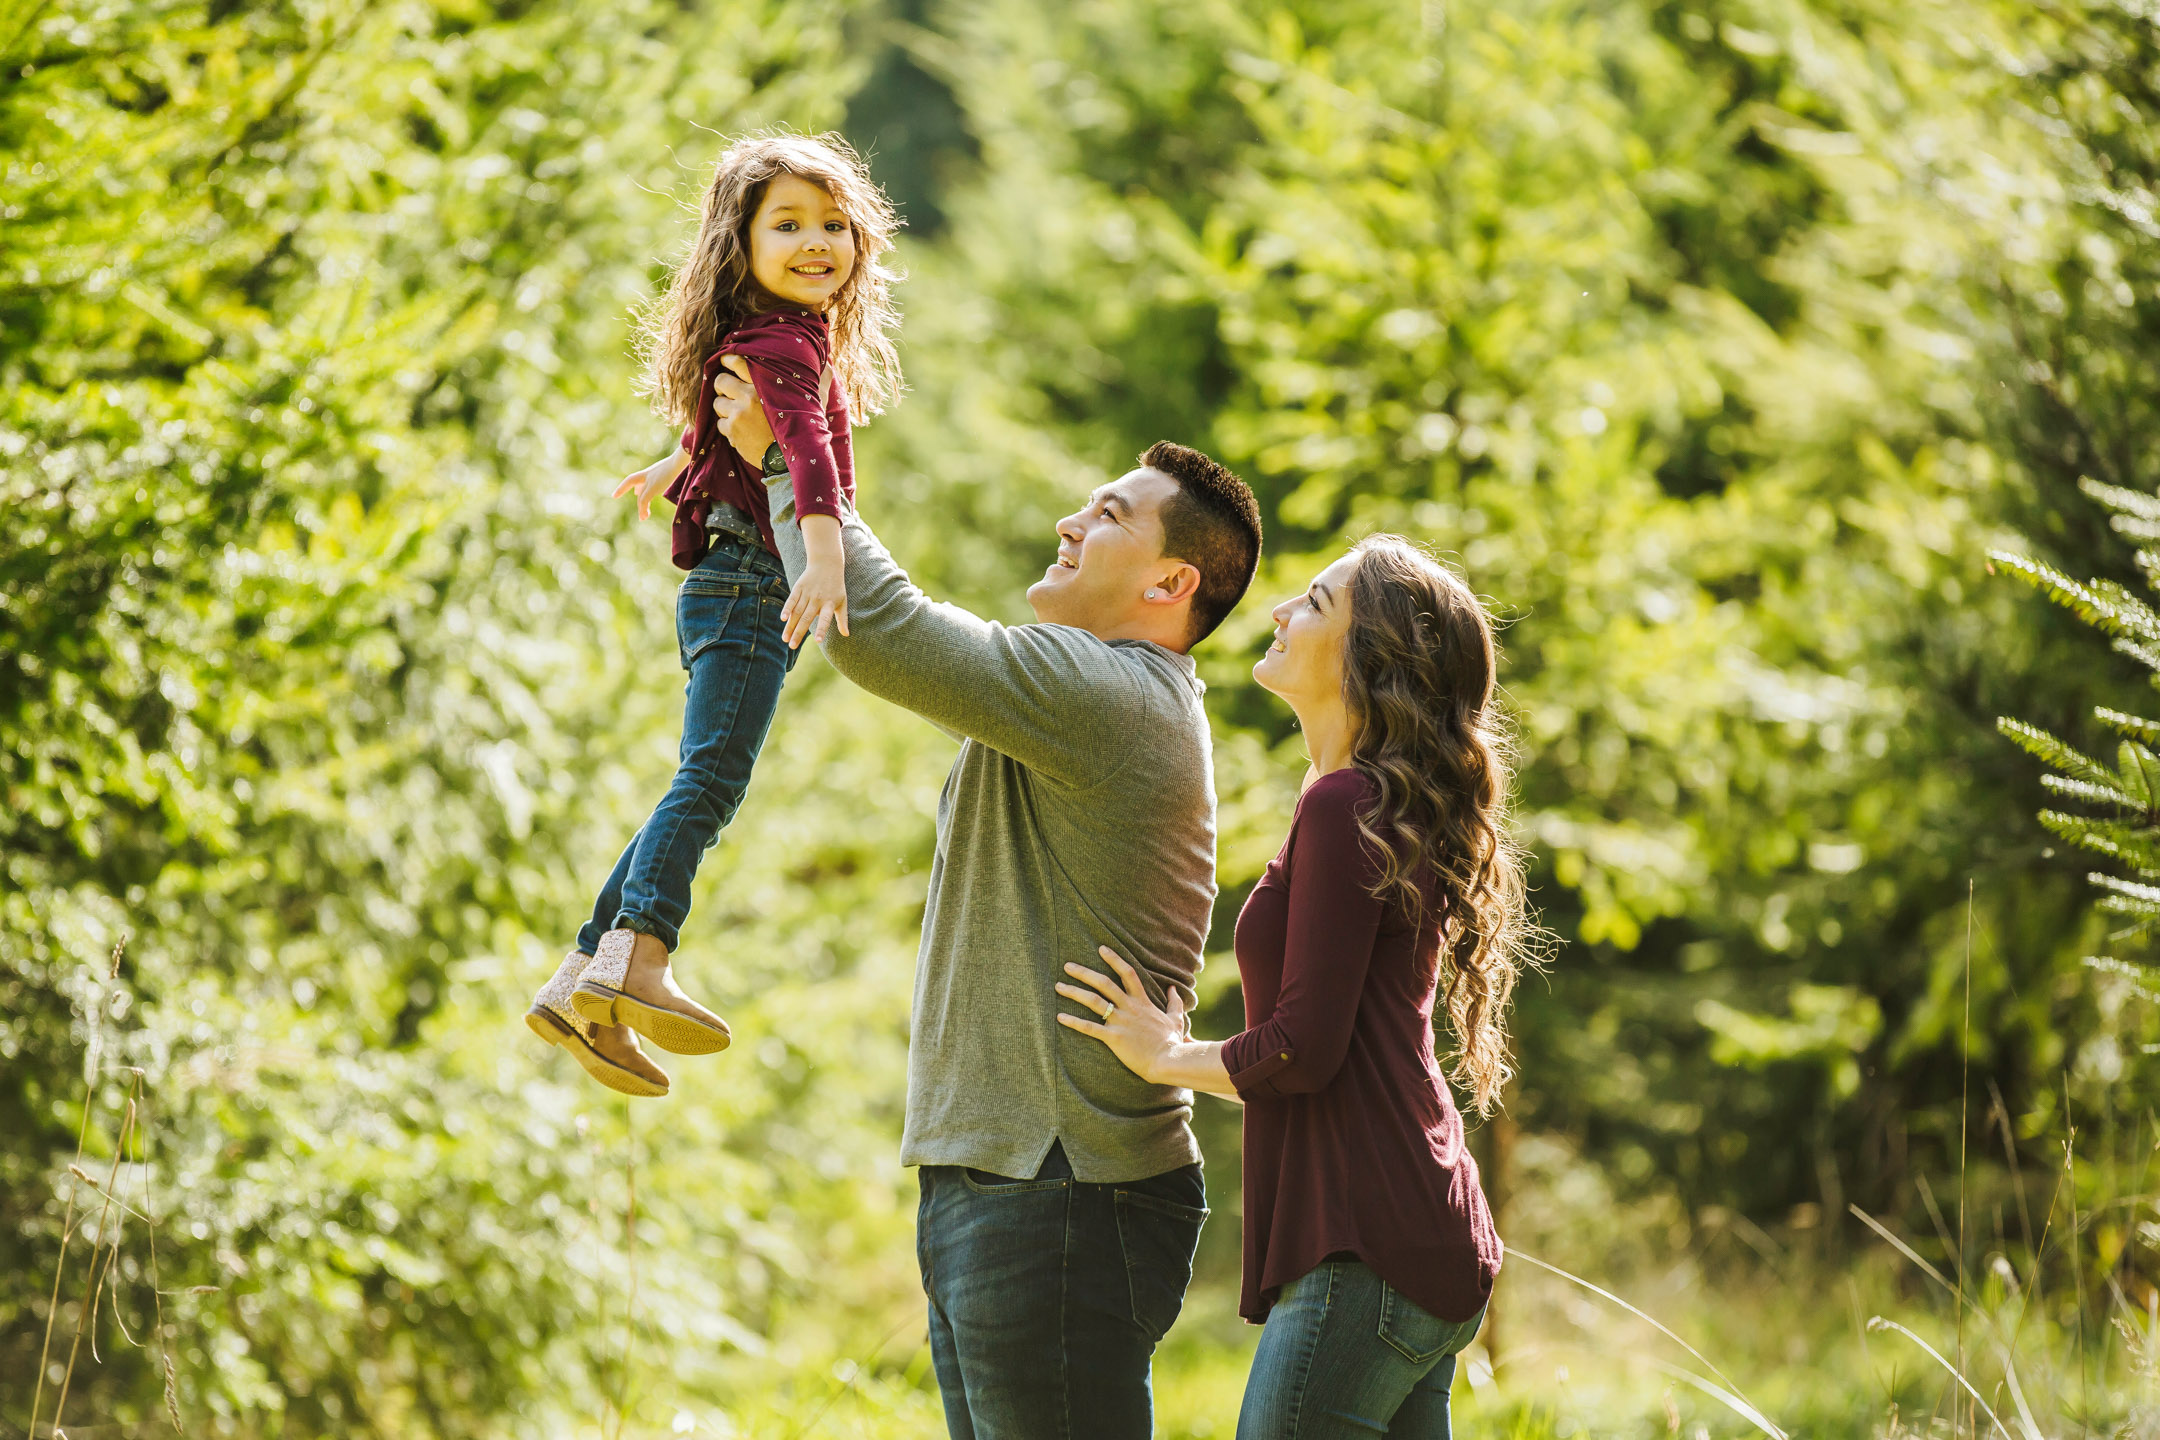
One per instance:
(1344, 1354)
(727, 628)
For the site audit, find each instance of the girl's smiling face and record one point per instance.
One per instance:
(802, 247)
(1304, 662)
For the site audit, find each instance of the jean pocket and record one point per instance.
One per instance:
(1158, 1237)
(702, 616)
(982, 1182)
(1417, 1334)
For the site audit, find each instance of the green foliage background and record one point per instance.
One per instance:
(1717, 341)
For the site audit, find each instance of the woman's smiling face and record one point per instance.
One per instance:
(802, 247)
(1305, 659)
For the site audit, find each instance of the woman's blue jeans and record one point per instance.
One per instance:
(1048, 1295)
(1344, 1355)
(727, 629)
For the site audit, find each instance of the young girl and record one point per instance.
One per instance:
(786, 274)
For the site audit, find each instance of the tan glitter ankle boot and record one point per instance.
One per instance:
(554, 1019)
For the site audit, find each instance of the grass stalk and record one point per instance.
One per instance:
(157, 1289)
(622, 1387)
(1744, 1407)
(86, 1315)
(1964, 1121)
(1879, 1323)
(52, 1305)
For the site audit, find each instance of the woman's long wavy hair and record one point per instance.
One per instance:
(713, 290)
(1419, 673)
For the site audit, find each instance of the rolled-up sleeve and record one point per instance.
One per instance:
(1332, 921)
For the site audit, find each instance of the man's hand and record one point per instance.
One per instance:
(651, 481)
(820, 595)
(739, 413)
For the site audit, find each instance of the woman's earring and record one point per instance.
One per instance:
(1154, 594)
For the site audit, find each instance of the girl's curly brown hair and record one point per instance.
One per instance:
(1418, 672)
(713, 290)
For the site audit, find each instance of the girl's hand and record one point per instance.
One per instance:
(1138, 1033)
(650, 482)
(818, 599)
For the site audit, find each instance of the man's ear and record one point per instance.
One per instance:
(1182, 583)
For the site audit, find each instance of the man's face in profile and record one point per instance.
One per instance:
(1109, 552)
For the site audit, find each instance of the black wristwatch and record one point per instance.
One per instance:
(775, 461)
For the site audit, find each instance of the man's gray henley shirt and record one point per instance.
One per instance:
(1080, 812)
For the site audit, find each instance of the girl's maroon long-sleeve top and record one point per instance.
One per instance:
(1352, 1142)
(790, 359)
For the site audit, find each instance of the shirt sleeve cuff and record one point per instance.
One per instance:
(819, 506)
(1254, 1058)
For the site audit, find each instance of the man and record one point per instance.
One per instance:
(1061, 1195)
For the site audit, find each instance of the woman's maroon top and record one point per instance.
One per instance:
(1352, 1142)
(789, 353)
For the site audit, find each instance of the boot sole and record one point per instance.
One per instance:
(549, 1027)
(671, 1030)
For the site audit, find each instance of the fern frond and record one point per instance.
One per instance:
(2130, 610)
(2091, 793)
(2140, 770)
(2050, 751)
(2129, 890)
(2102, 604)
(2146, 655)
(2134, 528)
(2122, 501)
(2139, 975)
(2134, 845)
(2134, 726)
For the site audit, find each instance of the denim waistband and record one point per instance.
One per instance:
(734, 552)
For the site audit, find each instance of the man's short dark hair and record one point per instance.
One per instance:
(1213, 525)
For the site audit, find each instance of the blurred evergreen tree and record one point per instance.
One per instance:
(330, 679)
(2130, 834)
(1677, 325)
(2078, 382)
(904, 118)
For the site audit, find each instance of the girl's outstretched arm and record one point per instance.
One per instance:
(651, 481)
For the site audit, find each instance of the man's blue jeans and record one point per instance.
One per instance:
(1345, 1357)
(1047, 1296)
(727, 630)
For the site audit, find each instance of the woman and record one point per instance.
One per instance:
(1369, 1249)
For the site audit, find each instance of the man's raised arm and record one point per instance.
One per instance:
(1052, 697)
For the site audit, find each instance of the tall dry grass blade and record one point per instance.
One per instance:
(157, 1289)
(2077, 1268)
(854, 1375)
(86, 1315)
(1902, 1248)
(622, 1388)
(1942, 1233)
(1964, 1118)
(1879, 1323)
(1767, 1427)
(112, 1249)
(67, 1233)
(2017, 1173)
(2017, 1394)
(1719, 1393)
(67, 1220)
(599, 1271)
